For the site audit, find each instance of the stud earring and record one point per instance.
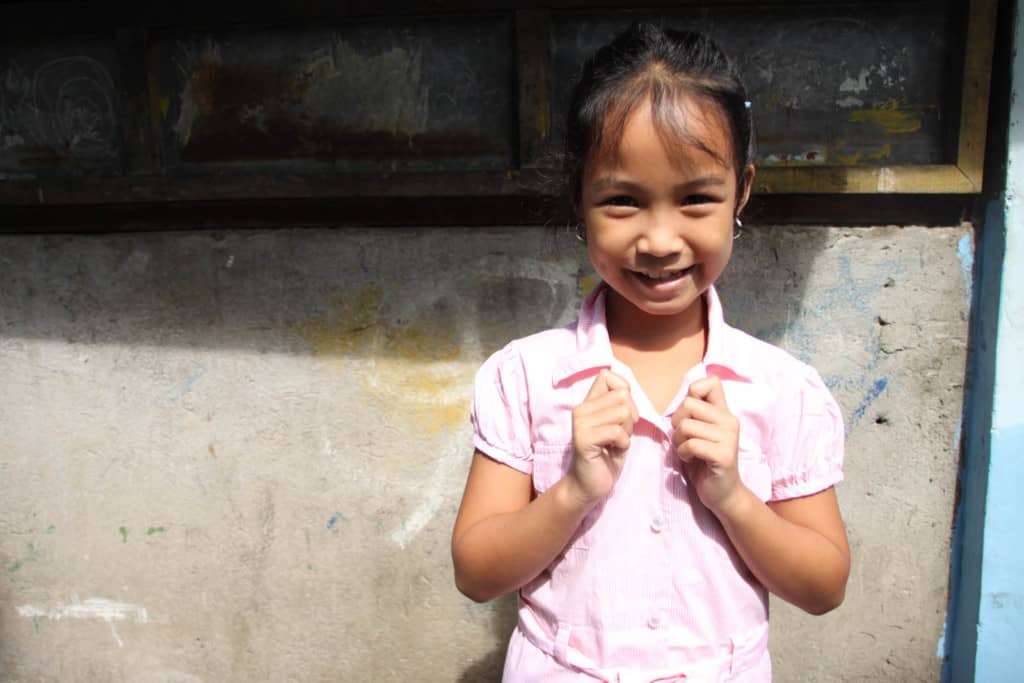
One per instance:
(581, 233)
(738, 232)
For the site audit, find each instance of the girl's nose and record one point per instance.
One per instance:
(661, 237)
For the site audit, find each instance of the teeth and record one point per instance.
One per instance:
(664, 276)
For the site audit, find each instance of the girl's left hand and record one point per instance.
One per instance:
(706, 438)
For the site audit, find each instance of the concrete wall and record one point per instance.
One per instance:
(238, 456)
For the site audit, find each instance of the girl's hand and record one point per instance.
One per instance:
(601, 427)
(706, 438)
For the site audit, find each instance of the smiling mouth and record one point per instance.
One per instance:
(662, 275)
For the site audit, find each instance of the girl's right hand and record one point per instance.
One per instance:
(601, 428)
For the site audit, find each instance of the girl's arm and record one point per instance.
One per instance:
(502, 538)
(796, 548)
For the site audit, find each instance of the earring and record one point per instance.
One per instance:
(739, 229)
(581, 233)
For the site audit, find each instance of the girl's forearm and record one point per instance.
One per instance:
(501, 553)
(802, 565)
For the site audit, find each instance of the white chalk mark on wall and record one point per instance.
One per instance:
(189, 59)
(92, 608)
(859, 84)
(452, 460)
(886, 180)
(68, 105)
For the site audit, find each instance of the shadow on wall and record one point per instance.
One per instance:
(424, 293)
(417, 294)
(503, 621)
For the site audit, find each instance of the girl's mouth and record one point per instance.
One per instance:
(661, 277)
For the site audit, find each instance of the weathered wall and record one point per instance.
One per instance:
(237, 457)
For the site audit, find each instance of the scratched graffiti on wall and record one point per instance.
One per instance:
(356, 95)
(842, 87)
(61, 112)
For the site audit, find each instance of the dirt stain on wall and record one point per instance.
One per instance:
(415, 367)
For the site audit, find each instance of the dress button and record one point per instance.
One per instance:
(654, 622)
(657, 524)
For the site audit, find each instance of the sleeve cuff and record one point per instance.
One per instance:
(516, 462)
(797, 487)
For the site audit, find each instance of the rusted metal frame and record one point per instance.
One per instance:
(140, 153)
(976, 89)
(285, 185)
(70, 15)
(533, 46)
(904, 179)
(807, 209)
(962, 178)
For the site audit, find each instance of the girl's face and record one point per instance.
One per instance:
(660, 223)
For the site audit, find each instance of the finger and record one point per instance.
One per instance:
(699, 409)
(600, 385)
(698, 449)
(698, 429)
(595, 404)
(683, 451)
(616, 381)
(617, 413)
(634, 414)
(610, 436)
(692, 407)
(710, 389)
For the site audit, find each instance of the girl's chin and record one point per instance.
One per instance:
(683, 304)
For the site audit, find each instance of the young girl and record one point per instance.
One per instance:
(644, 476)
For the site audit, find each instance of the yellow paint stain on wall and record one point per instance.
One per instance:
(884, 153)
(854, 158)
(415, 371)
(587, 284)
(889, 116)
(348, 325)
(845, 159)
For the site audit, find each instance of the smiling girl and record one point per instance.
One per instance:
(646, 475)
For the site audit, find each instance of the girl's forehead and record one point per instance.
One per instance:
(691, 130)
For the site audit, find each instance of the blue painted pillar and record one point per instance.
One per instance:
(985, 633)
(1000, 629)
(987, 619)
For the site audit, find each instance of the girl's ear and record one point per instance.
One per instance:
(748, 183)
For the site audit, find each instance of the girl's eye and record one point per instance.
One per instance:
(697, 199)
(620, 200)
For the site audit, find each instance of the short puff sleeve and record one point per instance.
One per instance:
(808, 440)
(500, 411)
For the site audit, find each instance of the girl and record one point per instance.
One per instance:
(644, 476)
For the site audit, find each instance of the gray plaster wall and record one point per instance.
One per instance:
(237, 456)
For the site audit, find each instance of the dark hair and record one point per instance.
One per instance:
(662, 64)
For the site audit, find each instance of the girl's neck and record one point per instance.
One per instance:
(659, 349)
(632, 328)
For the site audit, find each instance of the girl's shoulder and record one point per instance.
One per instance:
(525, 359)
(537, 348)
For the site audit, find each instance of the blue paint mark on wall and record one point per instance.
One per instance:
(965, 252)
(333, 521)
(874, 392)
(186, 385)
